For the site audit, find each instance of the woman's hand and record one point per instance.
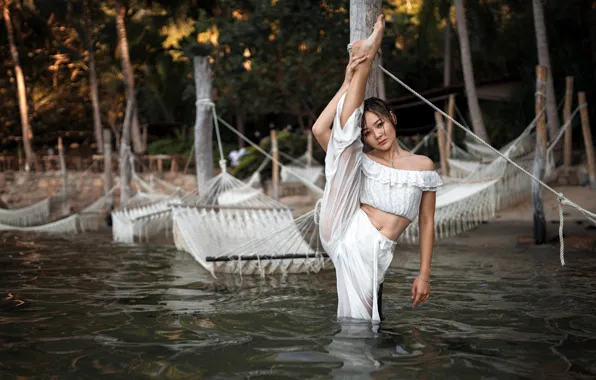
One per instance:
(351, 68)
(420, 291)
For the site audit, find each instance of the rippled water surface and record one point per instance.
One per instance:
(86, 308)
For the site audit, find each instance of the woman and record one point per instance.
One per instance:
(371, 198)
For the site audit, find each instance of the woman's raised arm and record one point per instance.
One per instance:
(321, 129)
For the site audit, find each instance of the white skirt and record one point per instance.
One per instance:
(361, 258)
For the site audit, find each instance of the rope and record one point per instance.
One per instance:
(295, 161)
(317, 211)
(560, 196)
(424, 139)
(258, 148)
(208, 102)
(562, 130)
(560, 199)
(189, 159)
(462, 117)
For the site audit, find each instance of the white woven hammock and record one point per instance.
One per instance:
(299, 166)
(142, 222)
(252, 242)
(88, 219)
(214, 227)
(311, 174)
(37, 213)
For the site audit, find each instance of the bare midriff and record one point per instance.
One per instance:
(390, 225)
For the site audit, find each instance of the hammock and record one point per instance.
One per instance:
(253, 242)
(230, 213)
(27, 216)
(299, 166)
(146, 214)
(142, 221)
(88, 219)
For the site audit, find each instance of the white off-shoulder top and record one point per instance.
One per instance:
(395, 191)
(354, 178)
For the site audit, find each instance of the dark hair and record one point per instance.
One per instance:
(379, 108)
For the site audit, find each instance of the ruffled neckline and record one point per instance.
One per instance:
(427, 180)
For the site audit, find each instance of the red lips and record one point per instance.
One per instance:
(382, 142)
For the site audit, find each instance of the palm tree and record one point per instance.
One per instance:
(544, 60)
(203, 126)
(444, 13)
(22, 92)
(466, 60)
(93, 77)
(128, 77)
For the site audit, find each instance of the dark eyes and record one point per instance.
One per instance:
(379, 125)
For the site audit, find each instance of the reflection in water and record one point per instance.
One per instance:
(77, 309)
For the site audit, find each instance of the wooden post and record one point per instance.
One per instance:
(62, 166)
(583, 103)
(174, 165)
(309, 150)
(540, 156)
(159, 164)
(450, 112)
(107, 166)
(275, 165)
(568, 131)
(441, 136)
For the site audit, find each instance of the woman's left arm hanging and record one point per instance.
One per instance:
(426, 229)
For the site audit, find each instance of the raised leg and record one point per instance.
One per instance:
(357, 88)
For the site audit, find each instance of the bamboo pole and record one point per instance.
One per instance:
(450, 112)
(567, 148)
(107, 166)
(583, 103)
(275, 166)
(540, 156)
(441, 136)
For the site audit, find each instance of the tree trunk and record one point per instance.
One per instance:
(22, 92)
(128, 77)
(363, 14)
(240, 119)
(93, 79)
(124, 162)
(447, 52)
(203, 124)
(592, 29)
(544, 60)
(466, 60)
(107, 167)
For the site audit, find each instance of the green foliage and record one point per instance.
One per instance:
(274, 62)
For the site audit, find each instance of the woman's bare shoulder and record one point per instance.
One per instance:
(420, 162)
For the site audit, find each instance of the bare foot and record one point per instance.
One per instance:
(371, 45)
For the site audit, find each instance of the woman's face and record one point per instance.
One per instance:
(379, 132)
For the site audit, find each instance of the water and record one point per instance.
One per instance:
(86, 308)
